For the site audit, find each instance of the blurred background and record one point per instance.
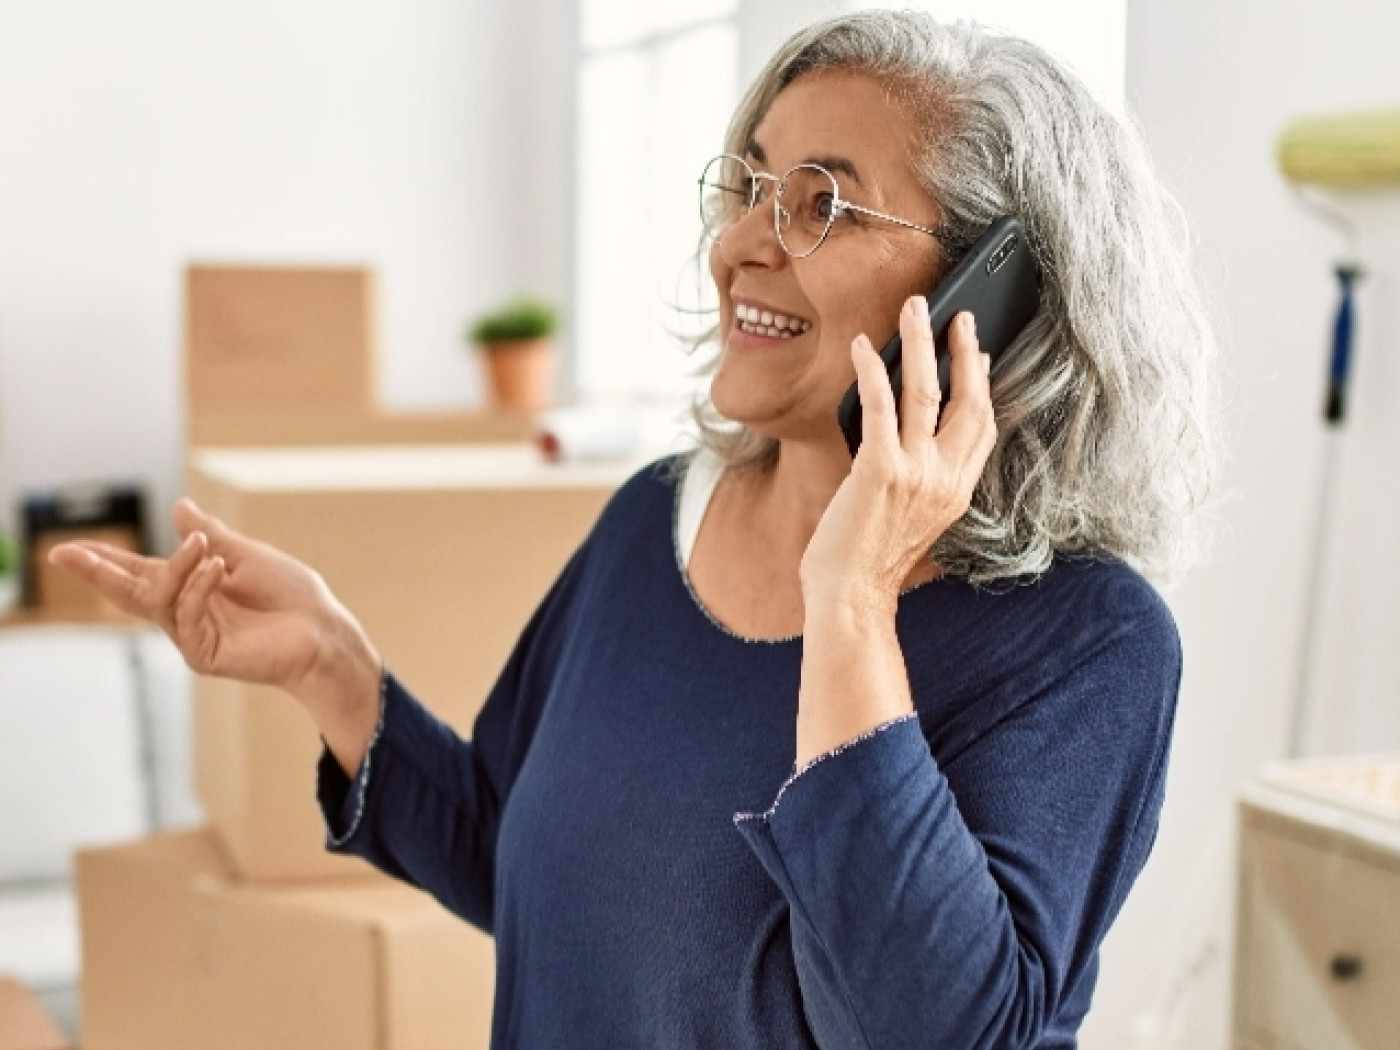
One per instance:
(455, 155)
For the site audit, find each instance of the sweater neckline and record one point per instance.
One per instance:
(706, 479)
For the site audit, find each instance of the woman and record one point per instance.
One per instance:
(798, 751)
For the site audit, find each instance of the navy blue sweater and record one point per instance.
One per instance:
(627, 822)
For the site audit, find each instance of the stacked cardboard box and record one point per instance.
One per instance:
(279, 356)
(179, 956)
(248, 933)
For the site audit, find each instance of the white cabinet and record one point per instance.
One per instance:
(94, 748)
(1318, 925)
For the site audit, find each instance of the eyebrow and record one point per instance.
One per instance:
(830, 163)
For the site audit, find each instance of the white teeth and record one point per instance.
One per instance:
(765, 322)
(765, 330)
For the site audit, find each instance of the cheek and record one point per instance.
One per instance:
(866, 296)
(850, 309)
(719, 272)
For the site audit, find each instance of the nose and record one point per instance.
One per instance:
(753, 239)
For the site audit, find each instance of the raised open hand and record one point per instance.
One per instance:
(233, 606)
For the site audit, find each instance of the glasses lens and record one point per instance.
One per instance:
(726, 187)
(805, 208)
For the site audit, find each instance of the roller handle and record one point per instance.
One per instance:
(1335, 409)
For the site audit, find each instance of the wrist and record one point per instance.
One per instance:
(342, 682)
(342, 692)
(853, 674)
(848, 605)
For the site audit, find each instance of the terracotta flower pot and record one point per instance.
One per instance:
(522, 373)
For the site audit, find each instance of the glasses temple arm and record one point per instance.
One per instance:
(848, 206)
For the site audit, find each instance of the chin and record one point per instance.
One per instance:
(742, 403)
(783, 407)
(769, 416)
(747, 409)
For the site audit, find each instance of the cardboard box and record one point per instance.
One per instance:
(24, 1025)
(177, 957)
(279, 356)
(278, 337)
(365, 425)
(58, 591)
(112, 514)
(442, 554)
(143, 984)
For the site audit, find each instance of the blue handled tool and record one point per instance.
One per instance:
(1335, 410)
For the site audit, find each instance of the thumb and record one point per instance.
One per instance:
(223, 541)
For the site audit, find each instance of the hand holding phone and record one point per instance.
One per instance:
(998, 281)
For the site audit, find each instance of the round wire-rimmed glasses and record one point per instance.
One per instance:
(806, 202)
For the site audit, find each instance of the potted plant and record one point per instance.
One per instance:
(518, 342)
(9, 573)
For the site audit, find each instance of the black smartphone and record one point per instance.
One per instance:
(997, 280)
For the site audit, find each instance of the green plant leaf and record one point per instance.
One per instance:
(524, 317)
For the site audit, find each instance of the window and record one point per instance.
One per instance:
(657, 84)
(1090, 36)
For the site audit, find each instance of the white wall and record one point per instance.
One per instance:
(1087, 34)
(1213, 83)
(428, 138)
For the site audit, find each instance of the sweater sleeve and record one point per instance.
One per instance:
(425, 805)
(959, 907)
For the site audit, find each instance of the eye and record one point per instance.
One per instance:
(833, 208)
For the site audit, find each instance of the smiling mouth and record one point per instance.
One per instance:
(754, 321)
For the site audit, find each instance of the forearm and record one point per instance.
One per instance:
(421, 806)
(901, 936)
(853, 673)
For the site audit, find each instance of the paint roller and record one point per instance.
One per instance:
(1340, 154)
(1326, 158)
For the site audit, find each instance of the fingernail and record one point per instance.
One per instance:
(863, 341)
(987, 363)
(920, 306)
(969, 322)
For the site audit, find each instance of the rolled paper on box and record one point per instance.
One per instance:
(580, 433)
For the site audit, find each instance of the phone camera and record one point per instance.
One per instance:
(1003, 253)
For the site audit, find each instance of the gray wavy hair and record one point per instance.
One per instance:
(1105, 404)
